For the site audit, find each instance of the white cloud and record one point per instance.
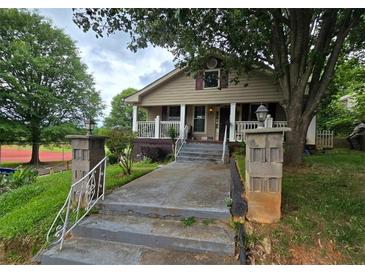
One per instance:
(113, 66)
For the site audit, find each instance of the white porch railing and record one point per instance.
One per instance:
(181, 141)
(242, 126)
(146, 129)
(165, 127)
(157, 128)
(81, 198)
(224, 143)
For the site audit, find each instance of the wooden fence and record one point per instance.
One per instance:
(324, 139)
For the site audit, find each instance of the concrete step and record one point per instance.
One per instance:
(195, 158)
(204, 147)
(215, 237)
(201, 151)
(200, 154)
(82, 251)
(157, 210)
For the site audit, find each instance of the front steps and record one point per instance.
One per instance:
(202, 152)
(119, 235)
(85, 251)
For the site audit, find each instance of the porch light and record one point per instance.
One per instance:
(210, 109)
(261, 114)
(89, 125)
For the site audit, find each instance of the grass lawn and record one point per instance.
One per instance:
(323, 214)
(27, 212)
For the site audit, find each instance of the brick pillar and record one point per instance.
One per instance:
(264, 172)
(87, 152)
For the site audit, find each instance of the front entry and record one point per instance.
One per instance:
(223, 121)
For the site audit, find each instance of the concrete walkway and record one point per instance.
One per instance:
(140, 223)
(181, 189)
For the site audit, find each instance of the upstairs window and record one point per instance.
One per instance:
(211, 78)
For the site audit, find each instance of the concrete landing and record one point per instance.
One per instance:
(89, 252)
(178, 189)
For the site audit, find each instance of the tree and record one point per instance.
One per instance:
(43, 83)
(348, 80)
(121, 113)
(300, 46)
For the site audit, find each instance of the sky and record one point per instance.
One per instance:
(113, 66)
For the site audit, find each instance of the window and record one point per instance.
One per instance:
(199, 119)
(173, 113)
(211, 78)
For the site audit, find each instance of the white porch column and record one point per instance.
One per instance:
(182, 119)
(134, 121)
(232, 123)
(157, 127)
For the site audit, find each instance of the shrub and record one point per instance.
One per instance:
(172, 134)
(155, 154)
(22, 176)
(121, 145)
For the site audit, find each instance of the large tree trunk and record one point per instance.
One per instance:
(296, 139)
(35, 145)
(35, 154)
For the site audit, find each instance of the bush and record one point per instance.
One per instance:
(155, 154)
(121, 145)
(21, 177)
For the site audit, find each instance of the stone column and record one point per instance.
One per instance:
(134, 119)
(87, 152)
(232, 123)
(264, 172)
(182, 119)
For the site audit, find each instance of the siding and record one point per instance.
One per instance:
(254, 87)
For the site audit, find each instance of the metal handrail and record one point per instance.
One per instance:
(181, 140)
(88, 190)
(224, 143)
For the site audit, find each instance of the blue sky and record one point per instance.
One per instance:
(113, 66)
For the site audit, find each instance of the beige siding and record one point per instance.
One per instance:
(255, 87)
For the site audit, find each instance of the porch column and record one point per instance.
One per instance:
(232, 123)
(134, 121)
(157, 127)
(182, 119)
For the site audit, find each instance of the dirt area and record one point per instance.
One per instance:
(265, 248)
(23, 156)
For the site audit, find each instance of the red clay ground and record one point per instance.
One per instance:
(23, 156)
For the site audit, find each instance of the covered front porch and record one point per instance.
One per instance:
(204, 122)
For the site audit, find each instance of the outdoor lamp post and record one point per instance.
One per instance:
(90, 125)
(261, 114)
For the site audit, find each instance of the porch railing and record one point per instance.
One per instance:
(242, 126)
(146, 129)
(157, 128)
(82, 197)
(224, 143)
(165, 127)
(181, 141)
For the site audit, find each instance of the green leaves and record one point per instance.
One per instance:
(43, 82)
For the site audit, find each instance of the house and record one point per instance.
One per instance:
(206, 105)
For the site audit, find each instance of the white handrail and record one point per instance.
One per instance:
(181, 141)
(81, 198)
(224, 143)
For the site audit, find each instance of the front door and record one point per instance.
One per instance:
(223, 121)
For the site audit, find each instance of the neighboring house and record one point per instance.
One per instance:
(207, 104)
(348, 101)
